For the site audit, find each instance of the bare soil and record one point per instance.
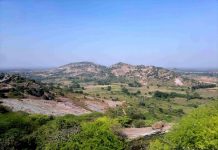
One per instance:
(133, 133)
(101, 105)
(62, 106)
(44, 107)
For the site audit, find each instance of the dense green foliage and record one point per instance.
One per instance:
(202, 86)
(16, 129)
(143, 106)
(198, 130)
(96, 135)
(135, 84)
(23, 131)
(164, 95)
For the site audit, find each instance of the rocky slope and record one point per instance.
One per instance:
(80, 69)
(144, 74)
(16, 86)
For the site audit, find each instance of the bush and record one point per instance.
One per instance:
(198, 130)
(103, 82)
(135, 84)
(202, 86)
(158, 145)
(135, 113)
(139, 123)
(125, 90)
(115, 112)
(125, 121)
(16, 129)
(109, 88)
(136, 93)
(38, 92)
(149, 123)
(96, 135)
(162, 95)
(4, 109)
(80, 92)
(15, 94)
(74, 85)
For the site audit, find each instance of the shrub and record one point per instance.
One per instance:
(38, 92)
(162, 95)
(135, 113)
(96, 135)
(139, 123)
(115, 112)
(198, 130)
(103, 82)
(125, 90)
(16, 129)
(202, 86)
(80, 92)
(4, 109)
(109, 88)
(15, 94)
(74, 85)
(125, 121)
(135, 84)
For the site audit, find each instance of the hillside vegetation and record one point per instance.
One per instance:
(120, 72)
(15, 86)
(197, 130)
(111, 105)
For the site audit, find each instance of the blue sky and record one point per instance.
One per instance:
(167, 33)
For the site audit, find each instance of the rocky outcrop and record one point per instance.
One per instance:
(87, 71)
(158, 125)
(16, 86)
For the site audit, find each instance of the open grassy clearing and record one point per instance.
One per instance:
(168, 109)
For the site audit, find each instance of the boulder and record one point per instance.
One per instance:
(158, 125)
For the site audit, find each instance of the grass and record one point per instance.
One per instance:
(145, 99)
(141, 110)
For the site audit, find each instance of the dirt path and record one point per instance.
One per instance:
(44, 107)
(133, 133)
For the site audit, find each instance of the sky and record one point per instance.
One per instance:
(166, 33)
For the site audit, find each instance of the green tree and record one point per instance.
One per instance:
(109, 88)
(97, 135)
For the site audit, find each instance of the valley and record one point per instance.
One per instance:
(145, 101)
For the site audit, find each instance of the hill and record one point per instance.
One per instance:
(15, 86)
(120, 72)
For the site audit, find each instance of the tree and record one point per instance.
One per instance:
(109, 88)
(125, 90)
(135, 84)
